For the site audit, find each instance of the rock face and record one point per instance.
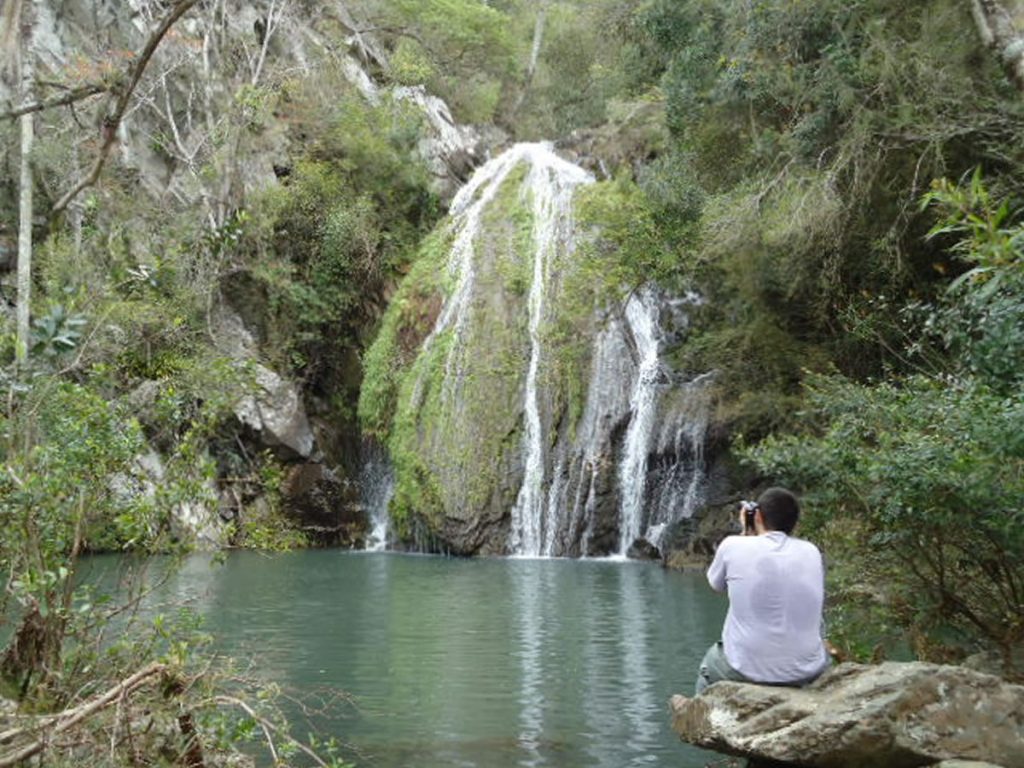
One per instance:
(325, 507)
(895, 715)
(274, 411)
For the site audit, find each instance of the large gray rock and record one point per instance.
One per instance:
(897, 715)
(274, 410)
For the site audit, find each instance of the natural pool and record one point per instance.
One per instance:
(488, 662)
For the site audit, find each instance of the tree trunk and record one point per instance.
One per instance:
(1000, 32)
(25, 196)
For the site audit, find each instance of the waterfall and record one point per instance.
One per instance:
(550, 184)
(376, 487)
(467, 209)
(642, 318)
(529, 422)
(682, 482)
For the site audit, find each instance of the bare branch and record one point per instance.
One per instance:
(71, 717)
(271, 25)
(72, 96)
(113, 120)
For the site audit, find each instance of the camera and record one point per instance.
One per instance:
(749, 508)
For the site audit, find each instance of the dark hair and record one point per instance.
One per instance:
(779, 509)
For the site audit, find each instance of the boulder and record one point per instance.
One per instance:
(897, 715)
(274, 411)
(277, 414)
(642, 549)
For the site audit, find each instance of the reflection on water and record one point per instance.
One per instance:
(479, 663)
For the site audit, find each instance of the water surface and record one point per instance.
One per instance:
(487, 663)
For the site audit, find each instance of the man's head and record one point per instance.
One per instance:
(779, 510)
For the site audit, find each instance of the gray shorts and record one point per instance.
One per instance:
(715, 667)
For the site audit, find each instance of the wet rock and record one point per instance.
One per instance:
(897, 715)
(642, 549)
(324, 505)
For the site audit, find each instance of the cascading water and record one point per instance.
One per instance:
(466, 211)
(512, 439)
(642, 318)
(551, 184)
(547, 192)
(376, 487)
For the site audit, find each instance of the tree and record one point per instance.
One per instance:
(26, 89)
(20, 15)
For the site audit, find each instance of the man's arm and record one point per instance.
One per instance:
(716, 572)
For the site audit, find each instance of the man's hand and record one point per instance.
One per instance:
(745, 508)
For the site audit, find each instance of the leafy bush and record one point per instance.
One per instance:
(929, 474)
(982, 321)
(918, 483)
(810, 130)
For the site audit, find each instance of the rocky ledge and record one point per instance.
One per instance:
(897, 715)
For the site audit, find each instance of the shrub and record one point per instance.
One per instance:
(929, 475)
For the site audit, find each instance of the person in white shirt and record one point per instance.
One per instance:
(776, 586)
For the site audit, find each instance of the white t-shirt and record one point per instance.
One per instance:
(776, 593)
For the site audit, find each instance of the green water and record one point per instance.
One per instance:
(487, 662)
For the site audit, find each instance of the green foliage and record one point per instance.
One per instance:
(461, 49)
(409, 319)
(577, 72)
(808, 129)
(69, 466)
(410, 63)
(391, 372)
(634, 243)
(353, 209)
(56, 332)
(982, 319)
(928, 473)
(918, 482)
(418, 497)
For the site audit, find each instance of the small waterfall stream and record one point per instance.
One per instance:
(376, 487)
(642, 318)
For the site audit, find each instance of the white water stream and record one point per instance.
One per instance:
(642, 318)
(549, 188)
(376, 487)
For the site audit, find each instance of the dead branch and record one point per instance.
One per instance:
(271, 23)
(71, 717)
(72, 96)
(112, 121)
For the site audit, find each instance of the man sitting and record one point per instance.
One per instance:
(776, 585)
